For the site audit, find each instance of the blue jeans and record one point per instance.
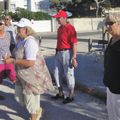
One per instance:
(64, 67)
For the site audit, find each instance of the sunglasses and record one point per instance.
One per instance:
(19, 27)
(1, 24)
(6, 18)
(109, 23)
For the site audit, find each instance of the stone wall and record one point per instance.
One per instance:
(80, 24)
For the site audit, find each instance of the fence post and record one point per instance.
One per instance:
(89, 44)
(40, 40)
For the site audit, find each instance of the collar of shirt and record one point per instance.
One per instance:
(20, 43)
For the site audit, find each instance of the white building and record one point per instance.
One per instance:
(31, 5)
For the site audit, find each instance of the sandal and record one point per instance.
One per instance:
(39, 114)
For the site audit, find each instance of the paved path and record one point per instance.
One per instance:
(84, 107)
(89, 72)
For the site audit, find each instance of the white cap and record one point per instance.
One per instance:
(24, 22)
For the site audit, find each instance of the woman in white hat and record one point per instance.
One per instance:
(33, 77)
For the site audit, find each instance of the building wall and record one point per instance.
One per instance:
(42, 26)
(32, 5)
(82, 24)
(89, 24)
(13, 4)
(4, 4)
(1, 5)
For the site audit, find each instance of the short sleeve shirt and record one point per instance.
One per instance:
(5, 46)
(66, 36)
(11, 29)
(31, 48)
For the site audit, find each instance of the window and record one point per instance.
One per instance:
(12, 7)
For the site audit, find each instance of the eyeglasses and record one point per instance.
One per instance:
(7, 19)
(1, 24)
(109, 23)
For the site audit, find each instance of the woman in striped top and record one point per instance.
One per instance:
(6, 70)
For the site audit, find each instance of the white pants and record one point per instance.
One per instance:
(113, 105)
(63, 67)
(30, 101)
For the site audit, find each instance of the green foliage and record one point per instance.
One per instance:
(55, 1)
(20, 13)
(106, 4)
(82, 7)
(1, 14)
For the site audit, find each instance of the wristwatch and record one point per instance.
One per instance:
(73, 58)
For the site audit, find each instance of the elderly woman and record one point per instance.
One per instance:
(112, 66)
(33, 77)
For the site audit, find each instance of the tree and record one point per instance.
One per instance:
(22, 13)
(81, 7)
(98, 2)
(2, 13)
(96, 5)
(69, 5)
(115, 3)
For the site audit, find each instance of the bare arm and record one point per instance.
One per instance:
(21, 62)
(24, 62)
(74, 51)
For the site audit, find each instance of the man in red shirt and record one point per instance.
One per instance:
(65, 58)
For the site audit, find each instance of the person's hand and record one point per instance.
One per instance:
(9, 60)
(5, 56)
(74, 63)
(14, 81)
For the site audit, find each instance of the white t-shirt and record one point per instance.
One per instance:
(31, 48)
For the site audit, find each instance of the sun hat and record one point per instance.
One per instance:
(24, 22)
(60, 13)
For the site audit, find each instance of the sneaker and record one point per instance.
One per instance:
(58, 97)
(68, 100)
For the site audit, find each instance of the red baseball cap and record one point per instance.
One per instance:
(61, 13)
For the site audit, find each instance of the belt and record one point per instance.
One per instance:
(64, 49)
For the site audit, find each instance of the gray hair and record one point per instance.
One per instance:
(113, 17)
(30, 31)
